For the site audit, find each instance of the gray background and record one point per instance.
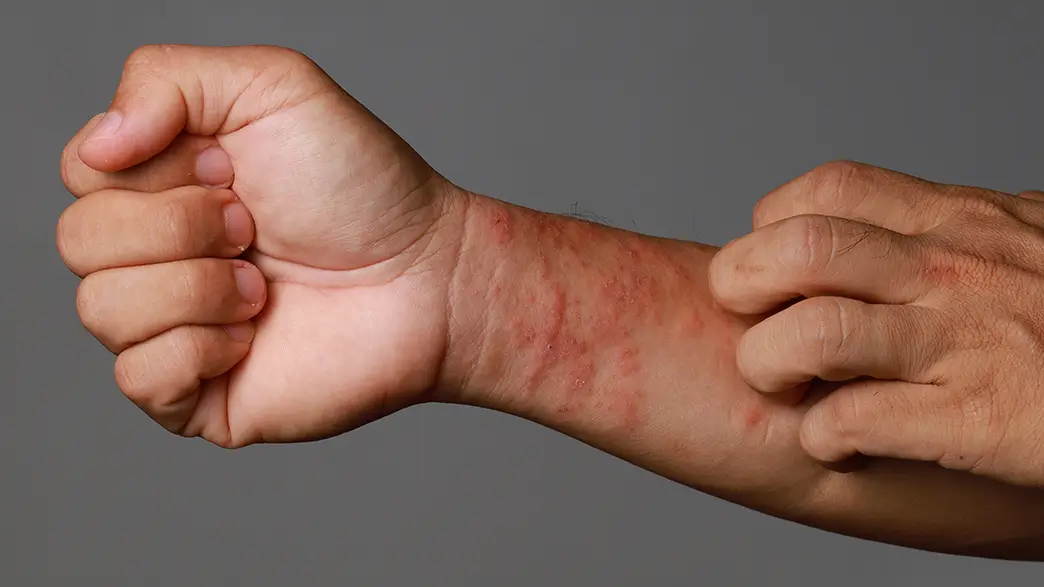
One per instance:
(671, 118)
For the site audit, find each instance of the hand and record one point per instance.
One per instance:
(340, 314)
(927, 299)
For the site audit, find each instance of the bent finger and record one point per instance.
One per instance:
(812, 255)
(188, 160)
(890, 199)
(837, 339)
(123, 307)
(163, 375)
(892, 419)
(117, 228)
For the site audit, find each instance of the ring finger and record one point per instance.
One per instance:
(837, 339)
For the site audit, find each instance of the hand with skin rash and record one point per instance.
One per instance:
(928, 298)
(269, 263)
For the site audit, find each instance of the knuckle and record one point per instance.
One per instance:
(178, 221)
(984, 204)
(825, 329)
(292, 56)
(188, 348)
(829, 183)
(290, 76)
(946, 266)
(289, 59)
(808, 243)
(149, 57)
(979, 426)
(205, 283)
(189, 287)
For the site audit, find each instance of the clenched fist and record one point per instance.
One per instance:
(267, 259)
(927, 298)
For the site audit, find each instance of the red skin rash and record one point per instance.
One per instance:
(501, 228)
(693, 324)
(572, 324)
(571, 343)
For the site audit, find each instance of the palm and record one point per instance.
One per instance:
(354, 323)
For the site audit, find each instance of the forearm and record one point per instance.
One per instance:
(611, 337)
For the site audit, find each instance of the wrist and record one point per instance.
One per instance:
(470, 290)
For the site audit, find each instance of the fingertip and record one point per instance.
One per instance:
(100, 148)
(819, 438)
(214, 168)
(717, 276)
(722, 275)
(239, 224)
(761, 367)
(749, 357)
(241, 332)
(143, 120)
(253, 287)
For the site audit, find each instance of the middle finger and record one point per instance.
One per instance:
(122, 307)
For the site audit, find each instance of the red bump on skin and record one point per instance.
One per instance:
(581, 388)
(529, 335)
(501, 226)
(754, 417)
(627, 361)
(626, 405)
(748, 268)
(547, 339)
(944, 270)
(545, 266)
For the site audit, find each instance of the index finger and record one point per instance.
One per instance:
(889, 199)
(168, 89)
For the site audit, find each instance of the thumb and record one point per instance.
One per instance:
(169, 89)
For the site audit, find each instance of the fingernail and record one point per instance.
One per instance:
(251, 284)
(242, 332)
(214, 168)
(107, 127)
(238, 225)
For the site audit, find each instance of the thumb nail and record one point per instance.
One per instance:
(107, 126)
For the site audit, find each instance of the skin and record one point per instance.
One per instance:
(378, 284)
(925, 296)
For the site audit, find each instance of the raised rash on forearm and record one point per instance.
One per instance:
(612, 337)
